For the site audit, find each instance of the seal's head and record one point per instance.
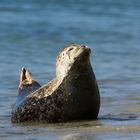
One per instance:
(70, 55)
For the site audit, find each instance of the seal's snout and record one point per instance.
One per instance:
(87, 51)
(86, 48)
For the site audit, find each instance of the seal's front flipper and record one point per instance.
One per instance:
(27, 84)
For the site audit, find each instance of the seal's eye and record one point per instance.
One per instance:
(70, 49)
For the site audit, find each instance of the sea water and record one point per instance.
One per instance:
(32, 32)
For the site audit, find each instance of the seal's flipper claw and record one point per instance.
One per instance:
(22, 74)
(23, 68)
(34, 84)
(29, 76)
(22, 79)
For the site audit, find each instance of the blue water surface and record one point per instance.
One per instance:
(32, 32)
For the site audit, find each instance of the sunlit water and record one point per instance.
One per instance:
(31, 35)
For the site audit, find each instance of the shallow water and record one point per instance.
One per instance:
(32, 33)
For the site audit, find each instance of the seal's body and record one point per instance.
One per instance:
(72, 95)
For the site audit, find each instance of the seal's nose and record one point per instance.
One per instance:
(87, 49)
(84, 46)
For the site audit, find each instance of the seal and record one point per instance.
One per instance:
(72, 95)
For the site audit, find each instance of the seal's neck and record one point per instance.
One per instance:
(62, 71)
(73, 70)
